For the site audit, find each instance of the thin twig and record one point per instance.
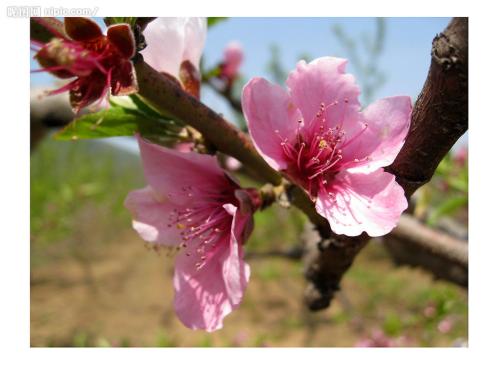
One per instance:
(226, 94)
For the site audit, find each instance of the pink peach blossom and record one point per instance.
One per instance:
(193, 206)
(233, 57)
(172, 40)
(316, 135)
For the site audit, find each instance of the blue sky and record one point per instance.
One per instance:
(405, 58)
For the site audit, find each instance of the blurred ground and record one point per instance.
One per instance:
(94, 283)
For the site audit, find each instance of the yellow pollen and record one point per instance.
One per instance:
(180, 226)
(323, 143)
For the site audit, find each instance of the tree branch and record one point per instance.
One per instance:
(226, 94)
(415, 244)
(170, 99)
(47, 112)
(439, 118)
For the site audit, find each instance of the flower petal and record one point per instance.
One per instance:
(81, 28)
(202, 297)
(361, 202)
(388, 123)
(271, 118)
(123, 80)
(323, 81)
(120, 35)
(235, 271)
(150, 212)
(195, 34)
(86, 90)
(171, 40)
(172, 173)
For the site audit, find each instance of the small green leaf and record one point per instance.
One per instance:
(211, 21)
(124, 118)
(117, 121)
(112, 20)
(448, 207)
(112, 122)
(145, 108)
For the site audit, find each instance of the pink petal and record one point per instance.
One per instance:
(323, 81)
(172, 173)
(204, 297)
(150, 212)
(184, 146)
(195, 34)
(362, 202)
(236, 272)
(171, 40)
(388, 124)
(271, 118)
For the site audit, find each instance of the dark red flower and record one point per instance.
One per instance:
(99, 63)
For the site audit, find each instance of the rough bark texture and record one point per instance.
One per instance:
(439, 118)
(415, 244)
(440, 115)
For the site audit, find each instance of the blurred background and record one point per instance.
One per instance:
(95, 283)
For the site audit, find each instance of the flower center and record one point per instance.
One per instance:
(315, 156)
(204, 225)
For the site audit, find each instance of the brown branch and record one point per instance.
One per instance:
(47, 112)
(439, 118)
(415, 244)
(226, 94)
(440, 115)
(172, 100)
